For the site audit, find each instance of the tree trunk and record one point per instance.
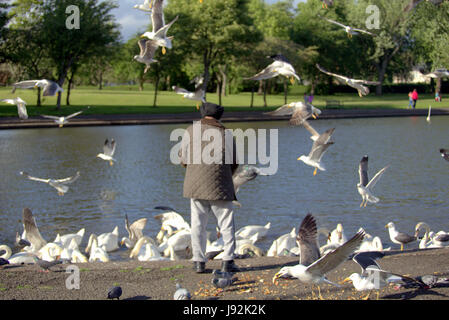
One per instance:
(265, 93)
(285, 91)
(261, 86)
(69, 88)
(100, 85)
(381, 69)
(155, 91)
(223, 72)
(252, 97)
(38, 103)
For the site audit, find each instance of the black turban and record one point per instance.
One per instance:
(212, 110)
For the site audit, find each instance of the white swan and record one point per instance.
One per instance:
(337, 235)
(17, 258)
(239, 243)
(65, 240)
(252, 230)
(109, 240)
(171, 219)
(179, 241)
(285, 242)
(72, 253)
(98, 253)
(50, 252)
(147, 250)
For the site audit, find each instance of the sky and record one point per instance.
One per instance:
(133, 20)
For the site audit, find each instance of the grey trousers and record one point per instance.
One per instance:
(223, 211)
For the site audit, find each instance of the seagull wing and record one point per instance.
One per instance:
(73, 115)
(179, 90)
(318, 151)
(34, 178)
(366, 259)
(363, 171)
(445, 154)
(325, 137)
(342, 78)
(267, 73)
(50, 88)
(50, 117)
(335, 22)
(25, 84)
(109, 147)
(142, 43)
(10, 101)
(162, 32)
(336, 257)
(69, 179)
(284, 110)
(367, 82)
(364, 31)
(150, 49)
(32, 232)
(137, 227)
(22, 110)
(157, 15)
(58, 186)
(309, 128)
(307, 241)
(374, 180)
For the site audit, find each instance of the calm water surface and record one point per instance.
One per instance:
(413, 189)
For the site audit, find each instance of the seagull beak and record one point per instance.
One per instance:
(345, 281)
(121, 243)
(299, 158)
(276, 277)
(142, 36)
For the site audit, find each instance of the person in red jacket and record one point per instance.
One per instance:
(414, 97)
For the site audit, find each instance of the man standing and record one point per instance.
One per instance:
(208, 183)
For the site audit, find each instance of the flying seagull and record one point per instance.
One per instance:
(247, 173)
(21, 106)
(197, 95)
(58, 184)
(115, 293)
(307, 240)
(399, 237)
(280, 66)
(438, 73)
(354, 83)
(319, 147)
(316, 272)
(147, 51)
(51, 88)
(349, 30)
(159, 33)
(364, 187)
(145, 6)
(31, 231)
(299, 112)
(181, 293)
(445, 154)
(108, 151)
(61, 121)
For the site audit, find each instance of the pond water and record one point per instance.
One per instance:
(414, 188)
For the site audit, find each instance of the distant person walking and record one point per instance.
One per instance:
(306, 98)
(410, 100)
(414, 97)
(437, 97)
(311, 98)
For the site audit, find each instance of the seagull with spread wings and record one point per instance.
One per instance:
(319, 147)
(51, 88)
(354, 83)
(135, 232)
(364, 186)
(299, 112)
(147, 51)
(159, 33)
(59, 184)
(349, 30)
(197, 95)
(280, 66)
(61, 121)
(316, 272)
(108, 151)
(21, 106)
(31, 232)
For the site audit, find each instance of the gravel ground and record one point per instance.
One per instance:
(156, 280)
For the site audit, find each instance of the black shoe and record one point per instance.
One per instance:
(229, 266)
(199, 267)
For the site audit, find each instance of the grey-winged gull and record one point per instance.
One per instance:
(307, 240)
(135, 231)
(108, 151)
(349, 30)
(319, 147)
(61, 121)
(51, 88)
(365, 186)
(147, 50)
(197, 95)
(299, 112)
(399, 237)
(31, 231)
(21, 106)
(280, 66)
(354, 83)
(316, 272)
(59, 184)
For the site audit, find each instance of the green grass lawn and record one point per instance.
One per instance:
(129, 100)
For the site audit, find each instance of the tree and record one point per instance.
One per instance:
(217, 30)
(67, 47)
